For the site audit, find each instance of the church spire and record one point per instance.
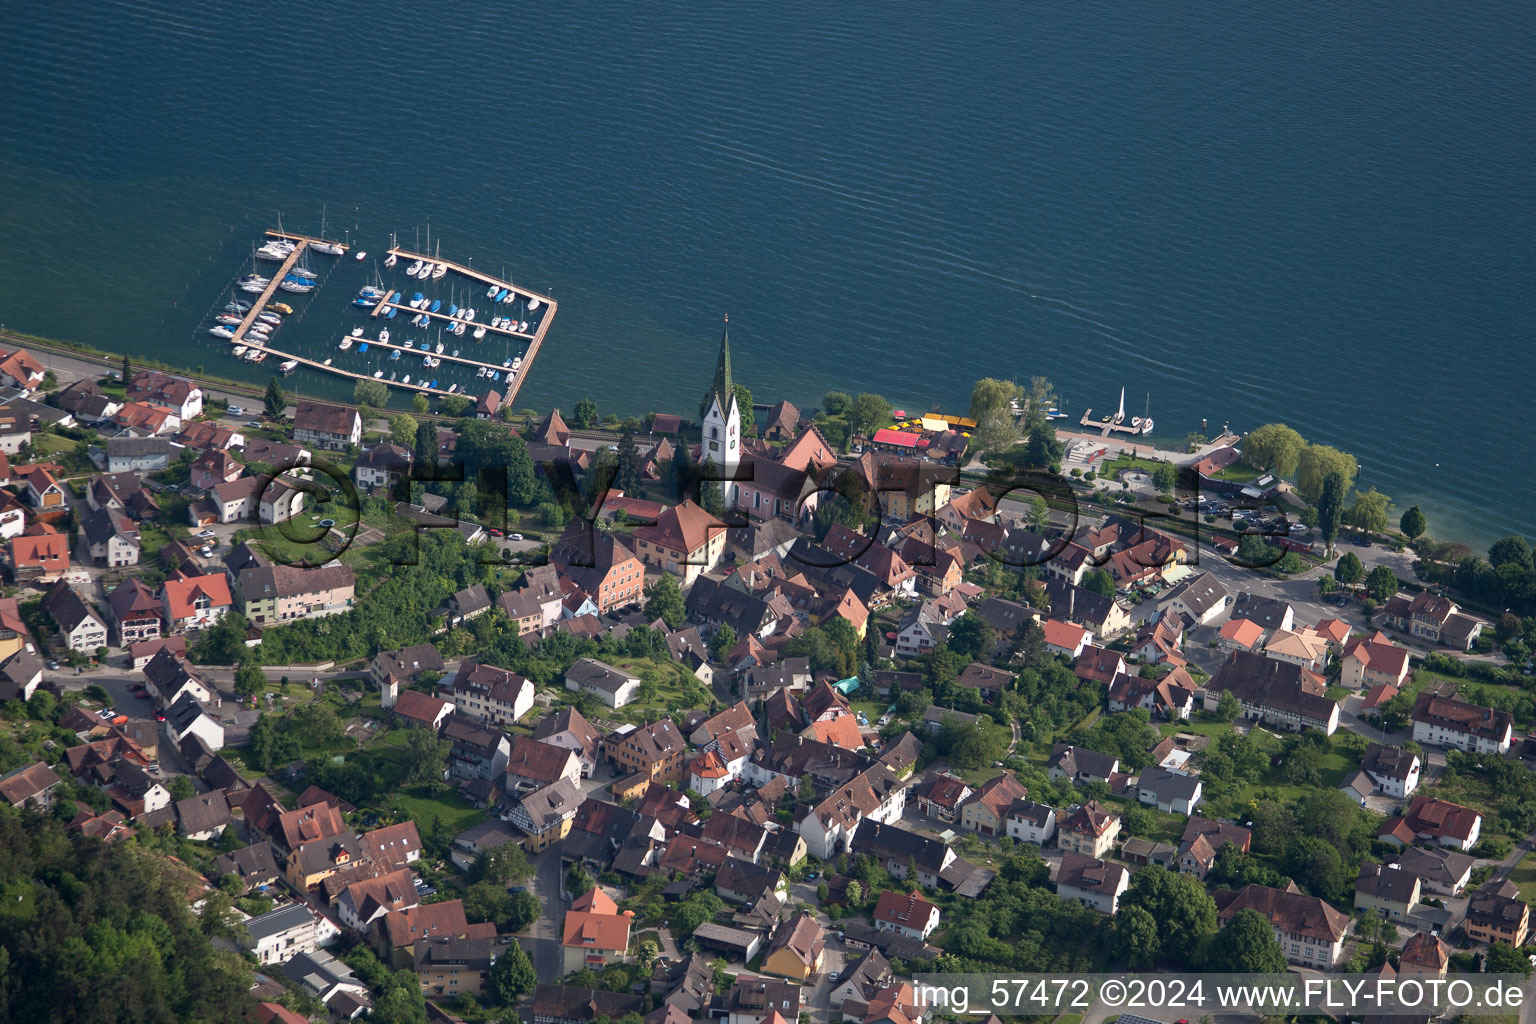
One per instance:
(723, 388)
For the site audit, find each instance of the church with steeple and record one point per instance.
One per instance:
(722, 420)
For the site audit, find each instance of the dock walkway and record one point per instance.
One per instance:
(266, 294)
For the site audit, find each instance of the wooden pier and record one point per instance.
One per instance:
(328, 368)
(405, 307)
(266, 295)
(404, 351)
(538, 337)
(308, 239)
(1105, 429)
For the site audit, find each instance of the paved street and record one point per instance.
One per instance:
(543, 939)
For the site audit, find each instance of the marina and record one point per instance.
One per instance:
(1106, 425)
(513, 314)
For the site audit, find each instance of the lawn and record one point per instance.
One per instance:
(1523, 875)
(1211, 728)
(1107, 470)
(1238, 472)
(421, 806)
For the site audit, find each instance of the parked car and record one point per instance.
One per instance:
(235, 410)
(206, 534)
(514, 536)
(254, 424)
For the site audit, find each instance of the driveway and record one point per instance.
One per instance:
(543, 939)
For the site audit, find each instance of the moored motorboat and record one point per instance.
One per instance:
(437, 304)
(357, 332)
(412, 270)
(346, 343)
(389, 314)
(255, 285)
(281, 307)
(362, 346)
(392, 260)
(229, 321)
(377, 374)
(395, 354)
(288, 366)
(523, 327)
(479, 332)
(406, 379)
(237, 351)
(384, 335)
(490, 292)
(329, 248)
(221, 332)
(304, 272)
(236, 306)
(502, 296)
(439, 349)
(269, 318)
(361, 255)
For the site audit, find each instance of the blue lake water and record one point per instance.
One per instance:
(1319, 213)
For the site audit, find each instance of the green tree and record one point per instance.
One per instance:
(181, 788)
(1504, 959)
(249, 680)
(274, 402)
(664, 600)
(584, 416)
(992, 395)
(694, 911)
(721, 642)
(371, 393)
(1137, 939)
(1330, 508)
(1165, 477)
(505, 865)
(1380, 583)
(1042, 448)
(1348, 570)
(1037, 512)
(1413, 524)
(630, 471)
(1246, 944)
(512, 976)
(970, 636)
(867, 413)
(425, 453)
(425, 754)
(996, 431)
(1100, 582)
(837, 403)
(1228, 707)
(1317, 463)
(402, 427)
(1179, 904)
(127, 373)
(1513, 550)
(1275, 447)
(420, 404)
(1370, 511)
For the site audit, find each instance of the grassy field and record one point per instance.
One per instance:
(1195, 725)
(1238, 472)
(421, 806)
(1108, 470)
(1524, 875)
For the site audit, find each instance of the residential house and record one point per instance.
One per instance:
(178, 394)
(195, 602)
(333, 427)
(1169, 792)
(253, 865)
(685, 540)
(1424, 953)
(281, 934)
(594, 934)
(1393, 770)
(941, 796)
(213, 468)
(569, 729)
(1373, 661)
(396, 846)
(986, 810)
(40, 554)
(188, 717)
(1492, 917)
(796, 948)
(1440, 820)
(755, 1000)
(470, 603)
(1090, 830)
(1276, 693)
(447, 965)
(1031, 822)
(33, 784)
(112, 538)
(139, 454)
(80, 627)
(1103, 616)
(1201, 598)
(85, 401)
(545, 814)
(1304, 647)
(383, 465)
(20, 675)
(1066, 638)
(532, 765)
(1240, 635)
(613, 686)
(906, 913)
(1202, 840)
(1441, 872)
(489, 693)
(419, 709)
(1309, 931)
(1171, 697)
(875, 794)
(1432, 618)
(389, 669)
(1096, 884)
(601, 564)
(365, 901)
(40, 489)
(203, 817)
(1268, 613)
(1448, 722)
(1389, 891)
(1079, 764)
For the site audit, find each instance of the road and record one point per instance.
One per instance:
(543, 939)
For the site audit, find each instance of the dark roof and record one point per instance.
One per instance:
(1080, 761)
(203, 812)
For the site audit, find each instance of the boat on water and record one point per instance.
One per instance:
(384, 335)
(298, 287)
(523, 327)
(288, 366)
(361, 255)
(238, 351)
(363, 301)
(257, 355)
(329, 248)
(413, 269)
(533, 303)
(389, 314)
(410, 343)
(274, 255)
(395, 354)
(437, 304)
(377, 374)
(479, 332)
(231, 321)
(490, 292)
(453, 310)
(455, 353)
(281, 307)
(502, 296)
(304, 272)
(480, 372)
(507, 363)
(346, 343)
(440, 270)
(495, 375)
(357, 332)
(269, 318)
(393, 374)
(469, 314)
(392, 260)
(459, 330)
(416, 301)
(406, 379)
(362, 346)
(236, 306)
(221, 332)
(394, 297)
(255, 286)
(439, 349)
(327, 362)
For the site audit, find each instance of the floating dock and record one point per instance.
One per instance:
(485, 279)
(1105, 428)
(512, 379)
